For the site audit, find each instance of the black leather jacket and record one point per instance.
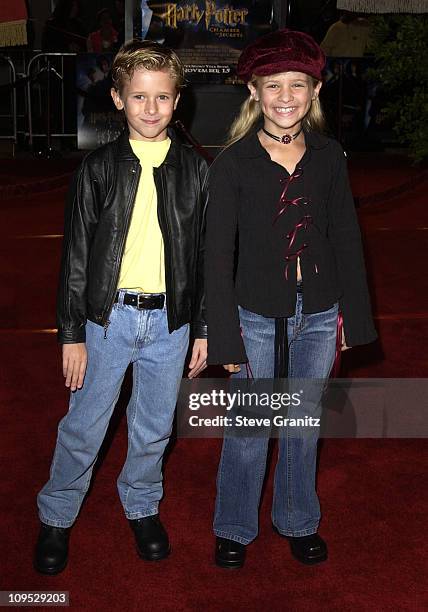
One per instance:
(98, 213)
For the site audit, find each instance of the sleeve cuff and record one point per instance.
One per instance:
(199, 330)
(71, 336)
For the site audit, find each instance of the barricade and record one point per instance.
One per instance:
(45, 74)
(12, 93)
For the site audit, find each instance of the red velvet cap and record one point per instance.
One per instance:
(281, 51)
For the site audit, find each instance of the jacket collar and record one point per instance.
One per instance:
(250, 146)
(124, 150)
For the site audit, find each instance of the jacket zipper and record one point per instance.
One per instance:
(167, 243)
(106, 324)
(131, 202)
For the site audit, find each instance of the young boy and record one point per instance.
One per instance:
(130, 284)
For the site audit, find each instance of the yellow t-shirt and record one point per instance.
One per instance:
(143, 266)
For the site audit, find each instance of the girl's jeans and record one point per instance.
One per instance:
(134, 336)
(295, 510)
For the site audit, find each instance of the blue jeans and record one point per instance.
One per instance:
(134, 336)
(295, 508)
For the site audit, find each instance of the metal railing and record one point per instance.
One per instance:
(13, 112)
(51, 65)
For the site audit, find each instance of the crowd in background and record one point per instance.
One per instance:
(69, 30)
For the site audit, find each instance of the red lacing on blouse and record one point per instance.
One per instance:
(304, 222)
(284, 202)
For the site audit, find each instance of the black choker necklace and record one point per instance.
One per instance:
(285, 139)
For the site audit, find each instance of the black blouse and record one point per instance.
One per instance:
(276, 218)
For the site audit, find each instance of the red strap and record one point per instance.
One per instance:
(337, 359)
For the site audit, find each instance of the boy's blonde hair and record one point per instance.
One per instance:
(146, 54)
(251, 111)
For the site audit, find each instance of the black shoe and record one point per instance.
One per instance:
(229, 553)
(51, 553)
(151, 538)
(310, 549)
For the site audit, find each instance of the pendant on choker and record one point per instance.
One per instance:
(285, 138)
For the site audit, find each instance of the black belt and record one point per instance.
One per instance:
(143, 301)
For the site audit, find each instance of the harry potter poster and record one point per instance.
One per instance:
(208, 35)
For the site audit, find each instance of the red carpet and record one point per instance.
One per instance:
(372, 493)
(376, 177)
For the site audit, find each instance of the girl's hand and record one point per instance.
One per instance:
(344, 346)
(232, 368)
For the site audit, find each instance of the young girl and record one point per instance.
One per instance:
(282, 189)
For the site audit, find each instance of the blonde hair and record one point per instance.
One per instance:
(149, 55)
(251, 111)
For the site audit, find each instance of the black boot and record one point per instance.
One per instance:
(310, 549)
(51, 553)
(151, 538)
(229, 553)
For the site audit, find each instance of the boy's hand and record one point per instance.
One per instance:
(74, 360)
(199, 357)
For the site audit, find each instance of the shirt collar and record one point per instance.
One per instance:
(125, 152)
